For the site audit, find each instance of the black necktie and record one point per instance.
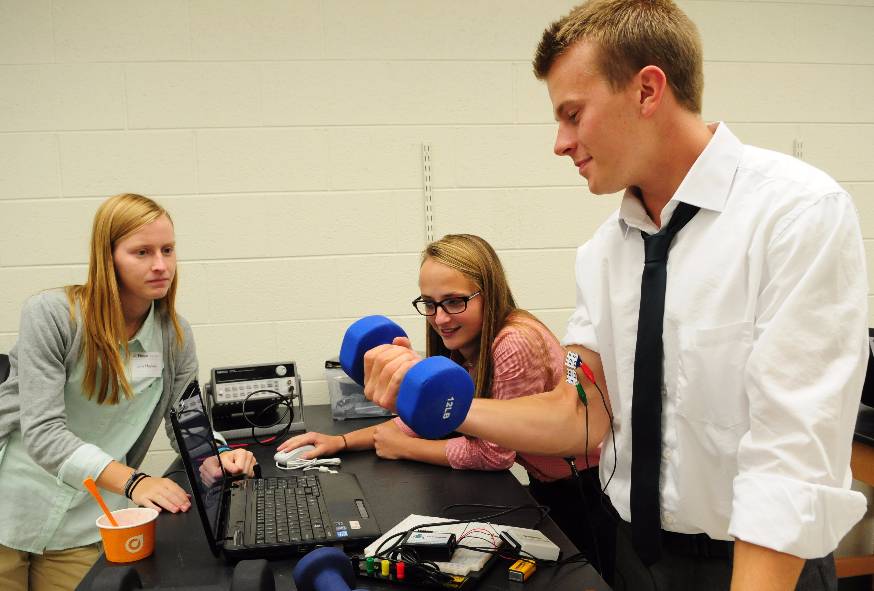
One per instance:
(646, 405)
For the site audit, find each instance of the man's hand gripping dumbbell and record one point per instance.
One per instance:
(432, 396)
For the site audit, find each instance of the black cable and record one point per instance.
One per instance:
(586, 409)
(280, 401)
(542, 509)
(612, 435)
(380, 553)
(589, 525)
(609, 510)
(576, 475)
(396, 552)
(429, 572)
(492, 551)
(474, 505)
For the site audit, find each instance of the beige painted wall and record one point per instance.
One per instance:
(286, 137)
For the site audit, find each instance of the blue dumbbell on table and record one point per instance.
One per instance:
(435, 394)
(324, 569)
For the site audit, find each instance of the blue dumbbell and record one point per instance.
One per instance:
(324, 569)
(436, 393)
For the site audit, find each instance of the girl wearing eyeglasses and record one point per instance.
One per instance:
(473, 319)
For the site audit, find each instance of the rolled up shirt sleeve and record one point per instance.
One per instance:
(800, 518)
(88, 461)
(471, 453)
(400, 424)
(803, 379)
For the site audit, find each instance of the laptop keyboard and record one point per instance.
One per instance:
(290, 510)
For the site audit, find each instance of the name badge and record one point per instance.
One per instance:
(146, 365)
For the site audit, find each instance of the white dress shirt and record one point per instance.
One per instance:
(765, 349)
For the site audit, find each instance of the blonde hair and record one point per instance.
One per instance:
(475, 258)
(630, 35)
(103, 321)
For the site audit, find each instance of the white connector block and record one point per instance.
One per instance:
(532, 541)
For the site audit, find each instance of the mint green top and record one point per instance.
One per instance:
(42, 510)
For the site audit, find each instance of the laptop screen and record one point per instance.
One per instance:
(199, 453)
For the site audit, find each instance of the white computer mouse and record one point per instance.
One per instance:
(294, 454)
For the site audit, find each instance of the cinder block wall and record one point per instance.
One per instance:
(286, 138)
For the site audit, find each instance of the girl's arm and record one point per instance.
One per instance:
(45, 336)
(391, 442)
(331, 445)
(154, 492)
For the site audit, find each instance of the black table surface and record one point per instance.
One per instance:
(394, 489)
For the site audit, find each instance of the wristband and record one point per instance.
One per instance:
(345, 443)
(130, 480)
(132, 483)
(136, 483)
(223, 448)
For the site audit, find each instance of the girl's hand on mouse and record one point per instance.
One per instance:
(326, 445)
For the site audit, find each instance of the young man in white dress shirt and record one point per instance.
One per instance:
(764, 318)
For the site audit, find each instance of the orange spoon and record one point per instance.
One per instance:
(92, 488)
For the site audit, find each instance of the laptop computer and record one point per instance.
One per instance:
(262, 517)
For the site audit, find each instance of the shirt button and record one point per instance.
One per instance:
(667, 453)
(669, 519)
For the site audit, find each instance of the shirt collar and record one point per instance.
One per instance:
(147, 330)
(706, 185)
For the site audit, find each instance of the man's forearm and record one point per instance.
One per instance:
(552, 423)
(549, 424)
(762, 569)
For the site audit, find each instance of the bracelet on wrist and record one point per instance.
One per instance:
(135, 479)
(223, 448)
(130, 480)
(345, 443)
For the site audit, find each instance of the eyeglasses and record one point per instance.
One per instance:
(453, 305)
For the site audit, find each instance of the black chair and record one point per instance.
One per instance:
(4, 367)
